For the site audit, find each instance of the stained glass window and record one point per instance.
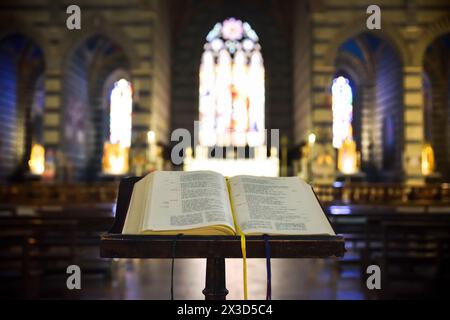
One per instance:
(342, 111)
(116, 150)
(120, 113)
(231, 103)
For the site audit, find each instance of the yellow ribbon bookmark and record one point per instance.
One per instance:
(243, 248)
(244, 262)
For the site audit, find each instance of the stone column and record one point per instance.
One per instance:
(141, 122)
(322, 152)
(413, 125)
(53, 117)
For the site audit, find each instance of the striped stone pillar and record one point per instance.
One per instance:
(367, 122)
(53, 114)
(141, 120)
(323, 155)
(413, 125)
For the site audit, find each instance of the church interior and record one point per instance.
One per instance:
(276, 87)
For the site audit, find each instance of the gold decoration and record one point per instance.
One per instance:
(37, 159)
(348, 157)
(427, 159)
(115, 159)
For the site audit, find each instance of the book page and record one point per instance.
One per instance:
(187, 200)
(277, 206)
(139, 199)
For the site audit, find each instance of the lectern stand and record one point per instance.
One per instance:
(214, 248)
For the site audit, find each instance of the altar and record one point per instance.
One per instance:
(232, 165)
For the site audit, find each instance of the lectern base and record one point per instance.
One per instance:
(215, 279)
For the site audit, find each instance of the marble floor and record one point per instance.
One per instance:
(139, 279)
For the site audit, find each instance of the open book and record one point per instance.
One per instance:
(207, 203)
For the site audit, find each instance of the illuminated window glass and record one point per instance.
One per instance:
(116, 150)
(231, 103)
(120, 113)
(342, 111)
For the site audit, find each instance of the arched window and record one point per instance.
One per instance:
(22, 65)
(115, 157)
(36, 162)
(231, 102)
(120, 113)
(342, 98)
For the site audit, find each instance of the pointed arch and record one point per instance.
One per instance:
(356, 27)
(22, 67)
(98, 25)
(85, 119)
(13, 24)
(429, 34)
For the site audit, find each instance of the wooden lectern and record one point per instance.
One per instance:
(214, 248)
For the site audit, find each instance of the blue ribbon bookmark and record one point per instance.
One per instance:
(174, 246)
(269, 271)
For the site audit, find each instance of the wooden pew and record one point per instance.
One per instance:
(353, 229)
(382, 193)
(57, 236)
(32, 248)
(16, 274)
(38, 193)
(414, 258)
(91, 223)
(364, 232)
